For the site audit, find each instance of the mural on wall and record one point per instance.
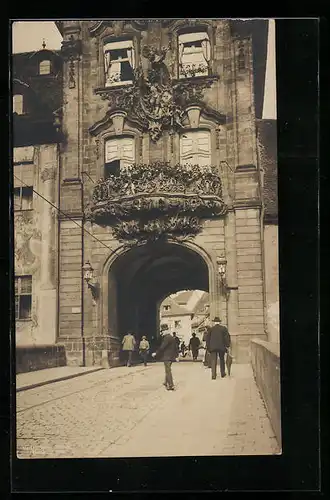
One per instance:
(27, 240)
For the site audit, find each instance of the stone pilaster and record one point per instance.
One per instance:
(231, 255)
(47, 285)
(71, 50)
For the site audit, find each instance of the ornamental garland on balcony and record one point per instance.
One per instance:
(148, 202)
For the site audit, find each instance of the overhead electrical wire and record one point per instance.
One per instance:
(63, 213)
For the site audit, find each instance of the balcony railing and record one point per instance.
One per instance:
(150, 201)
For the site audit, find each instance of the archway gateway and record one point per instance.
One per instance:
(138, 279)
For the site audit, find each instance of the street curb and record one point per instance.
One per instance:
(51, 381)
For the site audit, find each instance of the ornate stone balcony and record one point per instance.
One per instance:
(148, 202)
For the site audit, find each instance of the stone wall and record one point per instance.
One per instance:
(31, 358)
(265, 359)
(272, 281)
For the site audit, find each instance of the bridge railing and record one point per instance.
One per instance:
(265, 360)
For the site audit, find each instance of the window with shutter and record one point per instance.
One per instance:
(119, 62)
(23, 297)
(194, 54)
(195, 148)
(23, 198)
(119, 154)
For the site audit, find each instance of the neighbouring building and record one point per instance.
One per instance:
(142, 167)
(185, 312)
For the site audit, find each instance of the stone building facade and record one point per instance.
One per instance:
(141, 101)
(36, 88)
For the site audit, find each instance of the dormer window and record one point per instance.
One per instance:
(44, 67)
(119, 62)
(18, 104)
(194, 54)
(119, 154)
(195, 147)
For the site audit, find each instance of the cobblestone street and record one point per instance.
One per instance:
(126, 412)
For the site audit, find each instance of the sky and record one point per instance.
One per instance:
(29, 35)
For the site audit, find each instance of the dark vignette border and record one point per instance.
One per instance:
(298, 467)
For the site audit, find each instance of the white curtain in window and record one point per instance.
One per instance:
(181, 49)
(193, 37)
(131, 56)
(118, 45)
(107, 62)
(206, 49)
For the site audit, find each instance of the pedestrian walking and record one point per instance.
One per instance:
(128, 346)
(177, 340)
(207, 357)
(218, 343)
(194, 345)
(144, 349)
(183, 349)
(167, 352)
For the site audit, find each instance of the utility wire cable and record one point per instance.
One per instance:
(63, 213)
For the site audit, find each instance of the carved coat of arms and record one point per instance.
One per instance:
(151, 97)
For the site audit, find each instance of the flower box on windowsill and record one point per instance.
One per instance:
(113, 86)
(195, 79)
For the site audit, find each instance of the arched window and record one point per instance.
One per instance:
(44, 67)
(119, 154)
(195, 147)
(119, 62)
(18, 104)
(194, 54)
(241, 58)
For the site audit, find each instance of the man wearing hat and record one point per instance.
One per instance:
(218, 342)
(167, 352)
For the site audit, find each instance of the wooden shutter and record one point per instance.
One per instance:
(186, 148)
(203, 148)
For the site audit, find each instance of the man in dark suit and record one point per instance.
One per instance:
(218, 342)
(168, 353)
(207, 359)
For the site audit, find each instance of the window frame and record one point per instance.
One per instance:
(119, 158)
(22, 104)
(206, 62)
(50, 67)
(19, 294)
(21, 188)
(193, 153)
(133, 62)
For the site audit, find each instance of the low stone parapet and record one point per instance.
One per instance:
(39, 357)
(265, 360)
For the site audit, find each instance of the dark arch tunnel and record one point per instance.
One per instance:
(144, 276)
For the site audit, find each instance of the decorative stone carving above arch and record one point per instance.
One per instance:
(115, 27)
(115, 119)
(178, 24)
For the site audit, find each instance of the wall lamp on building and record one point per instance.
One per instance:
(222, 267)
(91, 280)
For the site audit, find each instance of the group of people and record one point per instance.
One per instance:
(217, 340)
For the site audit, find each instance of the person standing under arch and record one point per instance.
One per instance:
(128, 346)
